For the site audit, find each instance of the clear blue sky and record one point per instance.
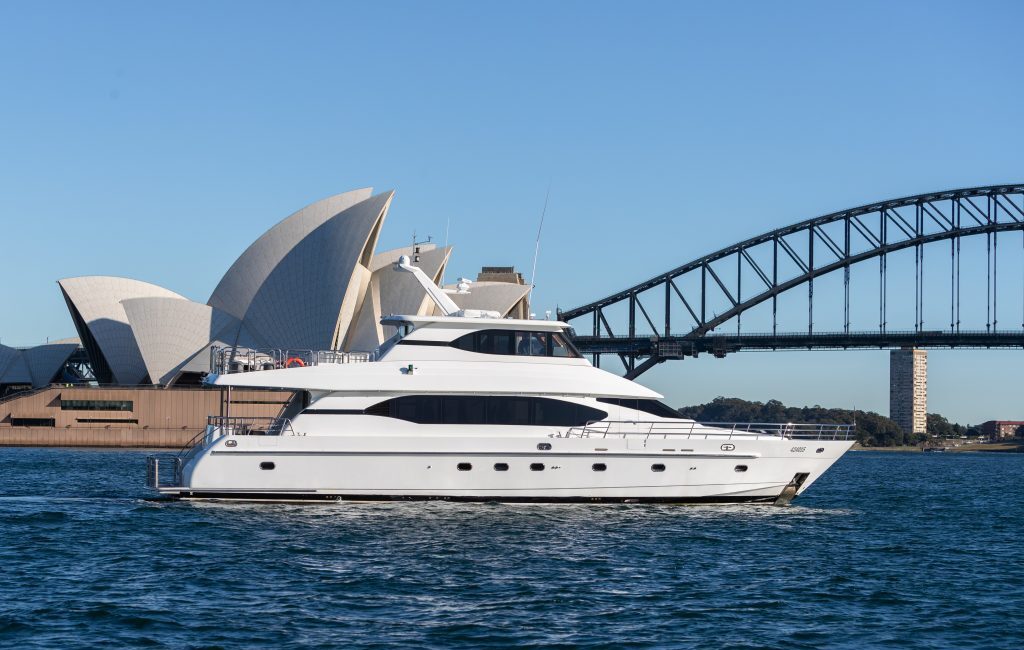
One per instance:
(156, 140)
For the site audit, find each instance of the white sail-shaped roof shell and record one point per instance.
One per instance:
(502, 297)
(95, 303)
(13, 368)
(171, 332)
(312, 295)
(44, 361)
(36, 365)
(239, 286)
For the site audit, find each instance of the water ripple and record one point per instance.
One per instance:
(915, 551)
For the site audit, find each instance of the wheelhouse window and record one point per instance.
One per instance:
(518, 343)
(486, 410)
(651, 406)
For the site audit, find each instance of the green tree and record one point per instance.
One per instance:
(873, 429)
(941, 427)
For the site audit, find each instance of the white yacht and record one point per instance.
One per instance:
(471, 407)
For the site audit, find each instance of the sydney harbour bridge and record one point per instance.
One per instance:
(738, 298)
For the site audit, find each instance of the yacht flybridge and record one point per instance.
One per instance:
(469, 406)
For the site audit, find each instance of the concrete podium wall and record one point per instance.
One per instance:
(164, 417)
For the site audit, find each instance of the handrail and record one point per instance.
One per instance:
(231, 360)
(251, 426)
(18, 394)
(692, 429)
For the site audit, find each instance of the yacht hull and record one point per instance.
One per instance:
(524, 469)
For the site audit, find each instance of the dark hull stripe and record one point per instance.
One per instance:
(460, 455)
(284, 496)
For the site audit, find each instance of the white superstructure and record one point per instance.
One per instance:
(476, 408)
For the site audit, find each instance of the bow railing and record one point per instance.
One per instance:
(691, 429)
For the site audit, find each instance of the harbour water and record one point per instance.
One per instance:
(899, 550)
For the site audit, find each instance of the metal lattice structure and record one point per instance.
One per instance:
(810, 249)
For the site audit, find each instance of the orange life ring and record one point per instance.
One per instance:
(295, 360)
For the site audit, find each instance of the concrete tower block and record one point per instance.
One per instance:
(908, 389)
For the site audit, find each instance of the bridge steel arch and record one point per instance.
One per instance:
(868, 232)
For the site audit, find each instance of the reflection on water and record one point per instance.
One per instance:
(886, 549)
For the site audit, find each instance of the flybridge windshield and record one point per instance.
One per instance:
(518, 343)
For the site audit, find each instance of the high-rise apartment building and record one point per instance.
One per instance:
(908, 389)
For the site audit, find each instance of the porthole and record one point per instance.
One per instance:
(820, 449)
(536, 467)
(657, 467)
(741, 468)
(266, 465)
(465, 467)
(544, 446)
(599, 467)
(500, 467)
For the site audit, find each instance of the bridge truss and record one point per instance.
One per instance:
(762, 268)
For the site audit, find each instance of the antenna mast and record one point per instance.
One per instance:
(536, 249)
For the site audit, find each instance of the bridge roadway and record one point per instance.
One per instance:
(659, 349)
(686, 308)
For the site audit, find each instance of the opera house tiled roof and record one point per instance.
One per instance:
(36, 366)
(312, 282)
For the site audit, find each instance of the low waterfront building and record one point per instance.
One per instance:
(126, 416)
(998, 429)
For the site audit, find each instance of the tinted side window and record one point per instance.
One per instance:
(509, 410)
(464, 410)
(586, 414)
(553, 413)
(493, 410)
(520, 343)
(560, 347)
(532, 344)
(423, 409)
(495, 342)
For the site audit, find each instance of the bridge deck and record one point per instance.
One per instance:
(675, 347)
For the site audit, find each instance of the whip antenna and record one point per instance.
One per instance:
(447, 227)
(536, 249)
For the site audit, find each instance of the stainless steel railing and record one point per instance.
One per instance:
(690, 429)
(230, 360)
(248, 426)
(216, 426)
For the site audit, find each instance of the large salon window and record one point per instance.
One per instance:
(490, 409)
(651, 406)
(518, 343)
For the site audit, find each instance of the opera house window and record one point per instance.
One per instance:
(95, 405)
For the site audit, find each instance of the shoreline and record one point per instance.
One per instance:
(998, 447)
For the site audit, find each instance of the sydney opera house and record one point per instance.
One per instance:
(314, 281)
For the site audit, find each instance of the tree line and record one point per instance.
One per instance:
(873, 429)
